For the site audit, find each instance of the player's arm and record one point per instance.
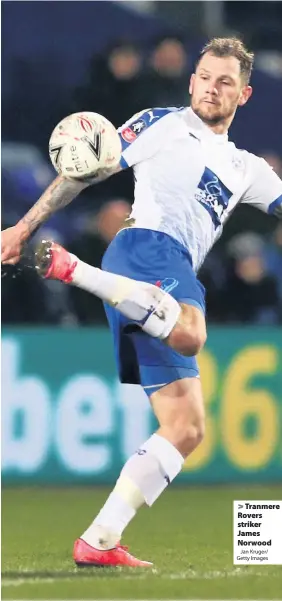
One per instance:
(57, 196)
(136, 146)
(265, 189)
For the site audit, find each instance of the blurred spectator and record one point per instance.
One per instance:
(265, 38)
(17, 122)
(23, 300)
(116, 88)
(168, 76)
(270, 61)
(213, 276)
(116, 84)
(273, 256)
(250, 294)
(25, 175)
(90, 247)
(111, 218)
(27, 299)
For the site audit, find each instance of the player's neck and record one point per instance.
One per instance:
(219, 128)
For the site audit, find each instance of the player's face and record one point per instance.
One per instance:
(217, 89)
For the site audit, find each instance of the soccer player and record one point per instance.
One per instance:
(188, 180)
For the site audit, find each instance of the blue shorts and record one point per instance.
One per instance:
(157, 258)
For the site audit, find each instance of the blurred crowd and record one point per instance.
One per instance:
(242, 274)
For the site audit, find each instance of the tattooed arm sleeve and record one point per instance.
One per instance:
(58, 195)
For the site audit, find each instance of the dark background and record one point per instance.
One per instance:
(56, 59)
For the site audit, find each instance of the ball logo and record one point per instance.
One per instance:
(85, 124)
(94, 144)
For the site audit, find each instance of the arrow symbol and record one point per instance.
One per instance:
(240, 506)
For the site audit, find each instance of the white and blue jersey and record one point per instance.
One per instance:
(188, 181)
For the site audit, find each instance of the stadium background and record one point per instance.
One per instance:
(65, 419)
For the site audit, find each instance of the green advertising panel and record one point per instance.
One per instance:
(66, 418)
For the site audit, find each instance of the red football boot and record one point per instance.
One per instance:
(55, 262)
(84, 555)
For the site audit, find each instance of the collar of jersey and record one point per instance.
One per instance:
(203, 130)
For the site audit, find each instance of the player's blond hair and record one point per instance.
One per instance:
(222, 47)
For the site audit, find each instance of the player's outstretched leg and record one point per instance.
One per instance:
(182, 327)
(179, 410)
(153, 309)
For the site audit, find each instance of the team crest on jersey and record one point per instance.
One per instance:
(138, 126)
(140, 122)
(128, 135)
(238, 163)
(213, 195)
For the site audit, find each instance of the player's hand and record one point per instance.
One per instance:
(11, 245)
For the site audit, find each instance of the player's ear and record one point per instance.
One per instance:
(191, 85)
(246, 93)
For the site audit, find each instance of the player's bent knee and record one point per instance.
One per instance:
(189, 334)
(179, 409)
(194, 435)
(189, 436)
(186, 341)
(187, 430)
(193, 343)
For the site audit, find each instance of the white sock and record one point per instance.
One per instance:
(115, 515)
(153, 467)
(107, 528)
(153, 309)
(143, 478)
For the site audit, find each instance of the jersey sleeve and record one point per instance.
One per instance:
(265, 190)
(143, 135)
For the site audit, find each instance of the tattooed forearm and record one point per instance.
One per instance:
(59, 194)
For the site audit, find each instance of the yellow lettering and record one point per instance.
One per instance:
(240, 402)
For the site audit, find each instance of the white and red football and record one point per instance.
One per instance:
(83, 144)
